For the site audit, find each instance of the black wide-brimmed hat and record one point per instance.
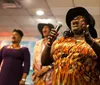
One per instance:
(72, 13)
(41, 25)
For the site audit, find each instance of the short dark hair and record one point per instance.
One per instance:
(19, 32)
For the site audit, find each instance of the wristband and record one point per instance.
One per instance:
(23, 79)
(50, 66)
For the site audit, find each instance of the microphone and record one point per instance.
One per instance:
(56, 29)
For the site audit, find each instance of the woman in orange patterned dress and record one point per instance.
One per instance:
(76, 59)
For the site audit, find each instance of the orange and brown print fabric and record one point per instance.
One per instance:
(75, 63)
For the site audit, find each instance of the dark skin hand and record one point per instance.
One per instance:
(22, 82)
(40, 72)
(52, 36)
(95, 46)
(23, 77)
(46, 59)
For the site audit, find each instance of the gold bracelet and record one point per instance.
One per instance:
(50, 66)
(23, 79)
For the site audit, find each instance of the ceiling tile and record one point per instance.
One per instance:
(24, 20)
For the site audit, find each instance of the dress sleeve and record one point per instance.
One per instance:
(1, 51)
(26, 61)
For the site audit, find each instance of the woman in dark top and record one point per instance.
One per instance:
(14, 61)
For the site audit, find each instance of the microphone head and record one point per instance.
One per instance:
(58, 26)
(59, 23)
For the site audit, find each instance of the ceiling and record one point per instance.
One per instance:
(25, 17)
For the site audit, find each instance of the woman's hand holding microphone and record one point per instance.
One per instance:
(53, 34)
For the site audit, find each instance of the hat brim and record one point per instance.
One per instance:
(72, 13)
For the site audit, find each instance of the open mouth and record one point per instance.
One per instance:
(75, 25)
(44, 31)
(13, 38)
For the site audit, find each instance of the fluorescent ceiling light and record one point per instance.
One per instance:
(40, 12)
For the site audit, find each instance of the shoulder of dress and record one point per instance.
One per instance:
(55, 42)
(39, 41)
(24, 47)
(62, 39)
(2, 47)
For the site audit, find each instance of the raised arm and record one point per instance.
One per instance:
(95, 46)
(47, 58)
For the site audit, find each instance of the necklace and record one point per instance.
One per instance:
(12, 47)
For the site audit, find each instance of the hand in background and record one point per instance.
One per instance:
(87, 35)
(43, 71)
(22, 82)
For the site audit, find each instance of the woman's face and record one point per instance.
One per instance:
(77, 24)
(15, 38)
(45, 31)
